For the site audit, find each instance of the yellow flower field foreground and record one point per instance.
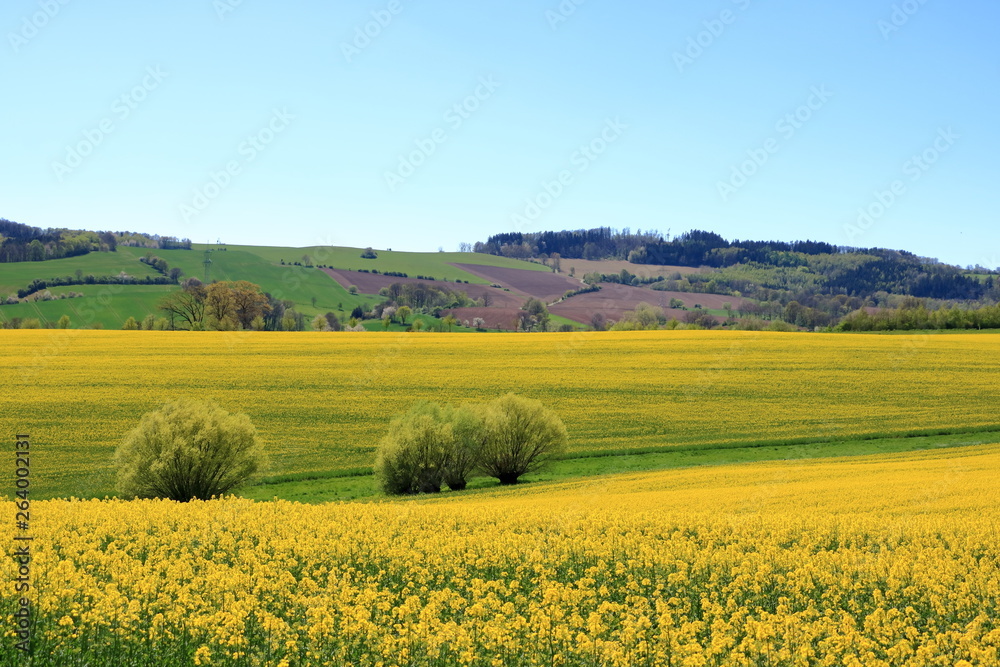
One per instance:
(873, 561)
(321, 402)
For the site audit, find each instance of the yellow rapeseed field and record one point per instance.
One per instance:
(322, 401)
(866, 562)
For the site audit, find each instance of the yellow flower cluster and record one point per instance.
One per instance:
(867, 562)
(323, 401)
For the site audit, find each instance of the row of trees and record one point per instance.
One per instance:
(35, 323)
(44, 295)
(403, 301)
(90, 279)
(148, 323)
(433, 445)
(647, 317)
(917, 316)
(423, 296)
(623, 277)
(600, 243)
(160, 264)
(223, 305)
(913, 315)
(238, 305)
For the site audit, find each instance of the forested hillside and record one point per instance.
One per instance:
(799, 269)
(23, 243)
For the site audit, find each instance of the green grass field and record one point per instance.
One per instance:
(18, 275)
(292, 283)
(360, 485)
(435, 264)
(107, 305)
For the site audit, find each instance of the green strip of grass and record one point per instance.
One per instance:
(788, 442)
(359, 484)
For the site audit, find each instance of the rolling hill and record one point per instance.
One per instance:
(282, 272)
(293, 274)
(809, 285)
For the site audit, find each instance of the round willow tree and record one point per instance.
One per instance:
(520, 436)
(428, 446)
(188, 449)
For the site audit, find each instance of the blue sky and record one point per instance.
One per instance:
(414, 124)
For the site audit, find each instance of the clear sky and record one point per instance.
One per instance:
(261, 122)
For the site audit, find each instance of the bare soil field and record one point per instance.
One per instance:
(545, 286)
(690, 299)
(610, 266)
(615, 300)
(371, 283)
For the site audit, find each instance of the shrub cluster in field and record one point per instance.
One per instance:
(436, 444)
(191, 449)
(188, 449)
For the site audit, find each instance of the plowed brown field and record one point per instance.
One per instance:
(615, 300)
(609, 266)
(545, 286)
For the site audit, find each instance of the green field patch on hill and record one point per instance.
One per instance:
(105, 305)
(18, 275)
(436, 265)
